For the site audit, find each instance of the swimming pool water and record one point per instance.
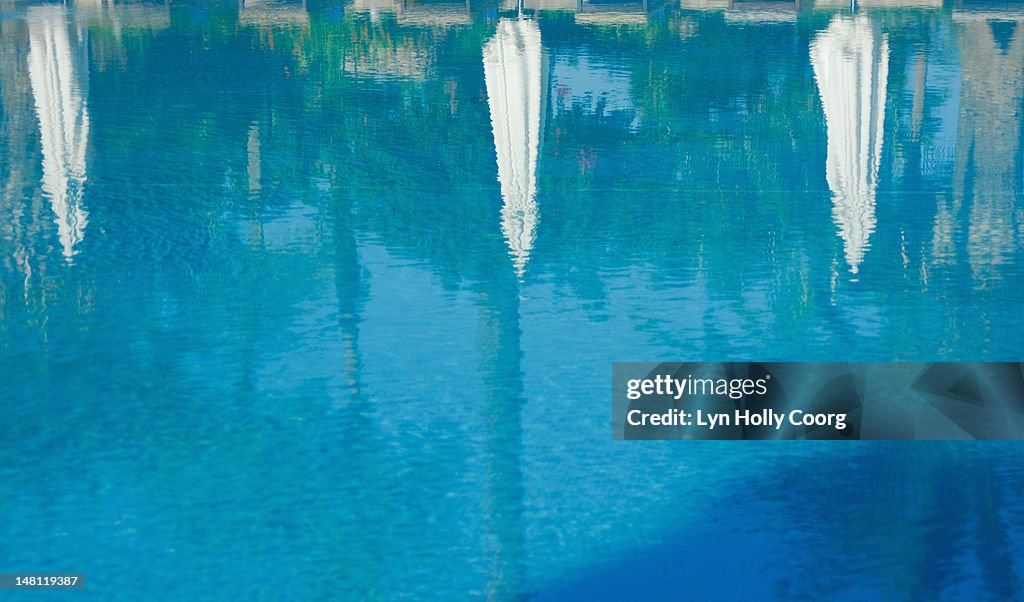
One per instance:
(319, 301)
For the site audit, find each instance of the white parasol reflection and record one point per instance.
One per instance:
(58, 72)
(515, 73)
(851, 65)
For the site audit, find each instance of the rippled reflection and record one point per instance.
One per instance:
(272, 12)
(515, 70)
(851, 65)
(987, 177)
(58, 68)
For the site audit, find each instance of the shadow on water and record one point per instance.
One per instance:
(882, 522)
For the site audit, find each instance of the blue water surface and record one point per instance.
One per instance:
(319, 300)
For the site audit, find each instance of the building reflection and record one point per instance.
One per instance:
(590, 12)
(59, 72)
(748, 12)
(987, 176)
(759, 13)
(27, 220)
(880, 4)
(270, 13)
(851, 66)
(121, 17)
(420, 14)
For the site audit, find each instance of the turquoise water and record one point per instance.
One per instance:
(320, 301)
